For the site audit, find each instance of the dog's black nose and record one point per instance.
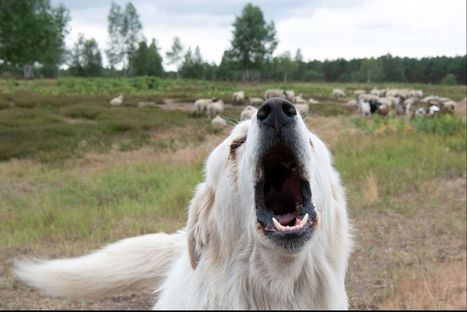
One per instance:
(276, 113)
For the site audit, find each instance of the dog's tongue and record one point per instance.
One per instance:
(286, 218)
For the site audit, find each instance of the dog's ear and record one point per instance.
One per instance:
(199, 222)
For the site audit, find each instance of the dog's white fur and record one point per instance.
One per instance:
(222, 260)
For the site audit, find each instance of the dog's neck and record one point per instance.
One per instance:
(271, 279)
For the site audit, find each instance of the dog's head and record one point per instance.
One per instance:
(264, 184)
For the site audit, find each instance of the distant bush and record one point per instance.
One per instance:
(449, 80)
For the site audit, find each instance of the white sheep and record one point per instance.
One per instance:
(201, 106)
(420, 112)
(248, 112)
(338, 93)
(313, 101)
(364, 107)
(352, 103)
(449, 107)
(256, 101)
(117, 101)
(300, 100)
(434, 109)
(416, 94)
(359, 92)
(218, 122)
(368, 97)
(378, 92)
(214, 108)
(238, 98)
(302, 108)
(288, 94)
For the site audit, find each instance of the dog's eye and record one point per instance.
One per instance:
(236, 144)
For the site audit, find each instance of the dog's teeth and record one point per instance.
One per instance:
(278, 226)
(303, 222)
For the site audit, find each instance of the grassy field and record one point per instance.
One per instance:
(76, 173)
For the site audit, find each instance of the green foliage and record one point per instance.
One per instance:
(125, 32)
(254, 40)
(175, 54)
(449, 79)
(146, 61)
(32, 31)
(86, 59)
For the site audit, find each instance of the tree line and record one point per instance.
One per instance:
(32, 35)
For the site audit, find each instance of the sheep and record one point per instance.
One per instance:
(215, 107)
(218, 122)
(248, 112)
(303, 108)
(364, 107)
(410, 109)
(201, 105)
(432, 100)
(368, 97)
(434, 109)
(383, 109)
(313, 101)
(449, 107)
(338, 93)
(352, 103)
(415, 94)
(117, 101)
(420, 112)
(300, 100)
(378, 92)
(288, 94)
(359, 92)
(238, 98)
(256, 101)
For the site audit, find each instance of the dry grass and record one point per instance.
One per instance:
(370, 188)
(441, 286)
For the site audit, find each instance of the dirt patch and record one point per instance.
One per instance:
(394, 250)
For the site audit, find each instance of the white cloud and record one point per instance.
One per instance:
(322, 29)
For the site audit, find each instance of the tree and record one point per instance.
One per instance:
(86, 59)
(253, 41)
(175, 55)
(286, 66)
(146, 61)
(193, 65)
(32, 32)
(125, 32)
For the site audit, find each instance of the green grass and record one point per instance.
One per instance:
(140, 198)
(54, 123)
(52, 132)
(189, 90)
(400, 155)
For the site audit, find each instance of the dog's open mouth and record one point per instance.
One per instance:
(284, 209)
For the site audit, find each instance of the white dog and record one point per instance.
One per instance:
(267, 229)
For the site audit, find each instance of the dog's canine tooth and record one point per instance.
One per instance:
(278, 226)
(303, 222)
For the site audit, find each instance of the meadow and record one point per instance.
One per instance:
(76, 173)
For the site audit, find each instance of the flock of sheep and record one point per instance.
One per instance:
(214, 107)
(403, 102)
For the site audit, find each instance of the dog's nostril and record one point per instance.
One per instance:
(289, 109)
(263, 112)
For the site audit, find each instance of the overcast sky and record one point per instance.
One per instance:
(323, 29)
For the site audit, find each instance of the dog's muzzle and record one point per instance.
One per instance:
(284, 209)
